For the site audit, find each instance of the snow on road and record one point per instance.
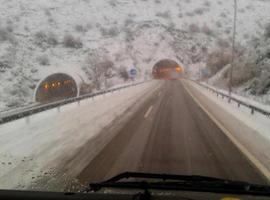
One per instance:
(32, 148)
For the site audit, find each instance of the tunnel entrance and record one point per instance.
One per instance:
(56, 87)
(167, 69)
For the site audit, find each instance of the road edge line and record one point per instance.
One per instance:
(264, 171)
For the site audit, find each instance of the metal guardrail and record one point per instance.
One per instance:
(57, 104)
(239, 102)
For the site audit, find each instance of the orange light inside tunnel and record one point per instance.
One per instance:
(46, 86)
(178, 69)
(58, 83)
(53, 84)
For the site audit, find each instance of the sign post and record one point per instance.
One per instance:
(133, 73)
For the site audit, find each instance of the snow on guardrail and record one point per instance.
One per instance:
(240, 102)
(27, 111)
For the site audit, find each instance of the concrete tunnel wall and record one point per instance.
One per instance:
(55, 87)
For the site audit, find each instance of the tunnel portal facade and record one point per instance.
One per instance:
(56, 87)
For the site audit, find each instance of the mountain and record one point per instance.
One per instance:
(41, 37)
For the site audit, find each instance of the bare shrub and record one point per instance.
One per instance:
(9, 28)
(128, 21)
(50, 20)
(206, 30)
(242, 10)
(249, 7)
(194, 28)
(123, 73)
(80, 28)
(204, 49)
(110, 32)
(43, 60)
(165, 15)
(86, 88)
(40, 38)
(26, 28)
(207, 3)
(243, 72)
(72, 42)
(223, 43)
(5, 34)
(217, 60)
(267, 31)
(99, 68)
(89, 26)
(228, 30)
(218, 24)
(52, 39)
(246, 36)
(190, 14)
(47, 12)
(223, 15)
(113, 3)
(4, 65)
(199, 11)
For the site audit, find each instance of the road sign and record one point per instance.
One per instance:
(133, 72)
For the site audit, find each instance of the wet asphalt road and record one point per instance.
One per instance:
(171, 134)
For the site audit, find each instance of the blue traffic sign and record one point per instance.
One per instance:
(133, 72)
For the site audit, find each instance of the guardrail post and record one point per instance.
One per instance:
(238, 104)
(229, 99)
(252, 110)
(58, 109)
(79, 103)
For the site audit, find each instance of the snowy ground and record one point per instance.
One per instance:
(250, 131)
(32, 149)
(129, 33)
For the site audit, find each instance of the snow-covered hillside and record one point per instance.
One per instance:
(41, 37)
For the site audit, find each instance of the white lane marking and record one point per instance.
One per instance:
(241, 147)
(148, 111)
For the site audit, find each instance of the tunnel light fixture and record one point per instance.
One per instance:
(46, 86)
(178, 69)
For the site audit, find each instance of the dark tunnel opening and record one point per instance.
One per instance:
(56, 87)
(167, 69)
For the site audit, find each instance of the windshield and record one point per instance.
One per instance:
(93, 88)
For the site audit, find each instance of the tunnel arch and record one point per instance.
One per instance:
(56, 86)
(167, 69)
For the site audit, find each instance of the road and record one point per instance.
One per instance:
(171, 134)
